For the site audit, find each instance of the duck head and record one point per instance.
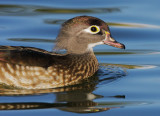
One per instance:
(80, 34)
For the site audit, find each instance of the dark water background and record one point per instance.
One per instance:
(129, 80)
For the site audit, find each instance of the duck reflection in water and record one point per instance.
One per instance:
(77, 98)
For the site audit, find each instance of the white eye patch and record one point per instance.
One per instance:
(94, 29)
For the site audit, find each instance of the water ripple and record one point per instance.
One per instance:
(25, 10)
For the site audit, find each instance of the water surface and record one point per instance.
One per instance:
(128, 81)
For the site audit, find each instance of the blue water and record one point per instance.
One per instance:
(128, 81)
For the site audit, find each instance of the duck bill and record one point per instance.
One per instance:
(111, 42)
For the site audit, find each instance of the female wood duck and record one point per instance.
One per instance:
(32, 68)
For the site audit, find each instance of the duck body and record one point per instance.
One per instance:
(33, 68)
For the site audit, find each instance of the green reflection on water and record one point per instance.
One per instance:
(23, 10)
(32, 40)
(65, 10)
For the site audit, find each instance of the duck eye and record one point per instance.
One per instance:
(94, 29)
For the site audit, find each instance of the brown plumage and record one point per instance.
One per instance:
(33, 68)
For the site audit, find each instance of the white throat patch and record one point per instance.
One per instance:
(91, 45)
